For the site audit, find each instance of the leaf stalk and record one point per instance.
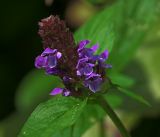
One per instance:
(104, 104)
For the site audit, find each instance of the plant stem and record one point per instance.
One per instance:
(102, 128)
(104, 104)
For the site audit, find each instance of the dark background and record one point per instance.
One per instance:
(20, 43)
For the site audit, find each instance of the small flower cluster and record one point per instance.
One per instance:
(90, 67)
(48, 61)
(77, 66)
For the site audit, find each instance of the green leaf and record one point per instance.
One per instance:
(134, 96)
(67, 132)
(100, 29)
(53, 116)
(91, 114)
(121, 27)
(136, 17)
(121, 80)
(35, 88)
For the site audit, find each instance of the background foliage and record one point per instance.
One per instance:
(126, 28)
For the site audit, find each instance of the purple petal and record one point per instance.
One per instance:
(48, 51)
(81, 61)
(84, 68)
(81, 71)
(93, 75)
(95, 85)
(66, 92)
(88, 70)
(95, 47)
(59, 55)
(66, 79)
(91, 64)
(86, 83)
(40, 62)
(78, 73)
(52, 61)
(52, 71)
(95, 57)
(56, 91)
(82, 44)
(87, 52)
(105, 54)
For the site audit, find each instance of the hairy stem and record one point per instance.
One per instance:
(104, 104)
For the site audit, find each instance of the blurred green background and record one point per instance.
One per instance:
(20, 44)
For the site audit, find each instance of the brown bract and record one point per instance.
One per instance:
(56, 35)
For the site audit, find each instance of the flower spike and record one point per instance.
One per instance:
(77, 66)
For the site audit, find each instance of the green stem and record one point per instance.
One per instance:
(102, 128)
(104, 104)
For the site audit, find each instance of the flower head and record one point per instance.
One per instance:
(77, 66)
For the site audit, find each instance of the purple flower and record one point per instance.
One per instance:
(62, 91)
(52, 71)
(82, 44)
(56, 91)
(94, 84)
(66, 92)
(48, 60)
(48, 51)
(86, 52)
(105, 54)
(84, 68)
(40, 62)
(102, 59)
